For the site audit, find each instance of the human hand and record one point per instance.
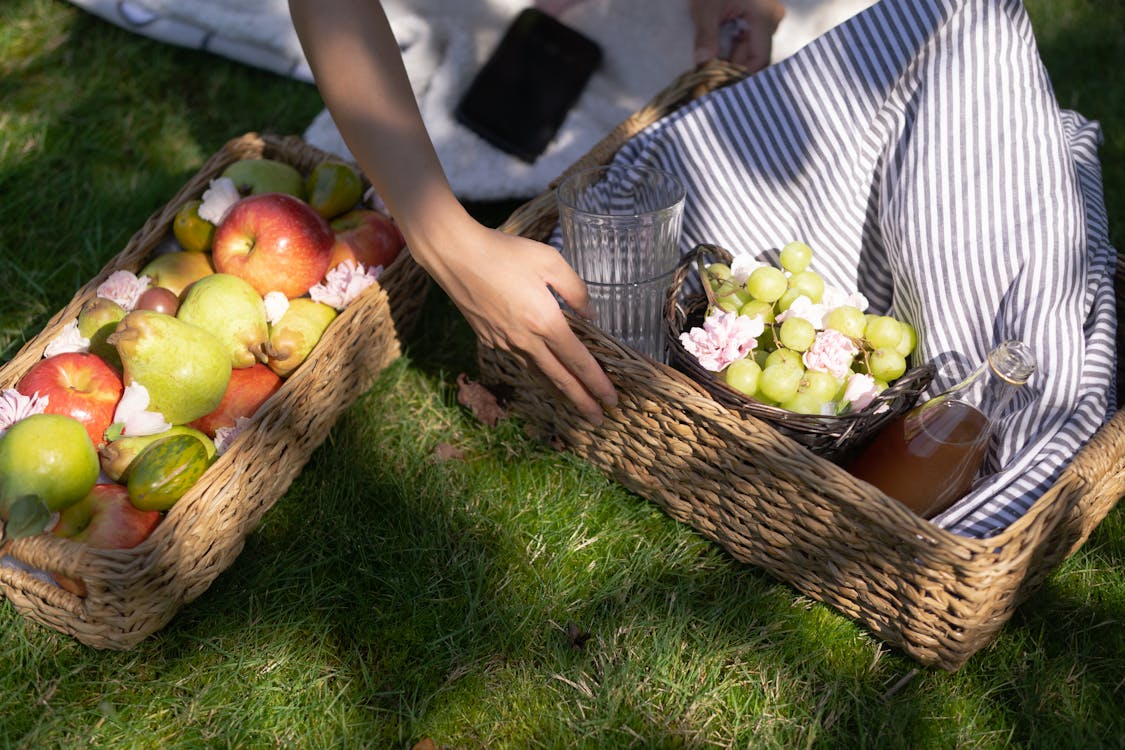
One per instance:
(752, 24)
(502, 285)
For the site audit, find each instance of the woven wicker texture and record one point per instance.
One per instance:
(771, 502)
(133, 593)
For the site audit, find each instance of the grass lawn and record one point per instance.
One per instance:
(516, 598)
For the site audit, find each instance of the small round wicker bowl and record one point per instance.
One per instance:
(836, 438)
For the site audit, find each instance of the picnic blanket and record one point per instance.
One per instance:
(919, 150)
(647, 43)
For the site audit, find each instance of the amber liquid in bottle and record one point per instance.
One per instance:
(927, 460)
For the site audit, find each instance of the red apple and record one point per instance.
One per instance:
(276, 242)
(367, 237)
(104, 519)
(78, 385)
(248, 389)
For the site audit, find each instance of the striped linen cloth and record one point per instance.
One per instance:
(919, 150)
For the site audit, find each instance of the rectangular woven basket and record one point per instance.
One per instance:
(133, 593)
(771, 502)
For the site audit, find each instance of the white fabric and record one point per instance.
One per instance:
(646, 43)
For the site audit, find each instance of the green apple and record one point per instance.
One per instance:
(47, 456)
(256, 176)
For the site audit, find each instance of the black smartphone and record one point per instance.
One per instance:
(519, 98)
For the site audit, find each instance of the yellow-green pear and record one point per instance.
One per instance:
(184, 368)
(175, 271)
(293, 337)
(231, 310)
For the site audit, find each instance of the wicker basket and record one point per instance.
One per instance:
(769, 501)
(133, 593)
(836, 438)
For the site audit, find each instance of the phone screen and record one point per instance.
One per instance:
(521, 95)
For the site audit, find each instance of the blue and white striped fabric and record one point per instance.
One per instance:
(919, 150)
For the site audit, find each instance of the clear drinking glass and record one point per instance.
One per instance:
(621, 234)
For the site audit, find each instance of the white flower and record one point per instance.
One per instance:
(68, 340)
(741, 266)
(836, 297)
(15, 406)
(132, 413)
(803, 307)
(224, 436)
(218, 198)
(724, 337)
(276, 305)
(860, 391)
(123, 287)
(831, 352)
(344, 283)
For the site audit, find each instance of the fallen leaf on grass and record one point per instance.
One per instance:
(577, 636)
(479, 400)
(447, 452)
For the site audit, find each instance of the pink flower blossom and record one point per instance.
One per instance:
(344, 283)
(133, 415)
(224, 436)
(724, 337)
(15, 406)
(68, 340)
(831, 352)
(860, 391)
(218, 199)
(123, 287)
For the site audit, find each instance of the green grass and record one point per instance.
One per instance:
(514, 599)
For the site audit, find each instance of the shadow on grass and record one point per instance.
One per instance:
(104, 128)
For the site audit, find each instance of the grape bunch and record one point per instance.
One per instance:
(798, 344)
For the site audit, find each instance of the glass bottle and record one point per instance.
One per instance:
(928, 458)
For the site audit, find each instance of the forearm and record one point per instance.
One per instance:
(359, 71)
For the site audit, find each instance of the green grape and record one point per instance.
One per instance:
(717, 273)
(767, 341)
(803, 403)
(886, 364)
(742, 375)
(786, 357)
(757, 307)
(779, 382)
(767, 283)
(908, 341)
(761, 355)
(787, 299)
(795, 257)
(823, 385)
(810, 283)
(797, 334)
(883, 332)
(846, 319)
(724, 288)
(734, 301)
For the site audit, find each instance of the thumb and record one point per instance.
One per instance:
(568, 285)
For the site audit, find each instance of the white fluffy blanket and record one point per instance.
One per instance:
(646, 43)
